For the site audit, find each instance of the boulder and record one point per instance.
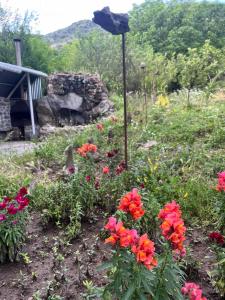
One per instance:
(44, 112)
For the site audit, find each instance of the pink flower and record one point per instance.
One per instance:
(2, 217)
(111, 225)
(221, 182)
(105, 170)
(14, 222)
(193, 291)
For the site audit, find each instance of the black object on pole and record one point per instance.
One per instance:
(117, 24)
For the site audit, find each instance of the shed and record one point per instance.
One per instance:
(18, 83)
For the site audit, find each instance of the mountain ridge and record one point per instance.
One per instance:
(65, 35)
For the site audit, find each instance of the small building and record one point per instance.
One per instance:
(19, 88)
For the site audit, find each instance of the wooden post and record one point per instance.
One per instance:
(31, 104)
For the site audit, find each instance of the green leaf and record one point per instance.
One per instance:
(129, 292)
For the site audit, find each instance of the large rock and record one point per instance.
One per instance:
(114, 23)
(73, 99)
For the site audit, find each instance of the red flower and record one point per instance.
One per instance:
(193, 291)
(88, 178)
(99, 127)
(145, 251)
(105, 170)
(112, 153)
(221, 182)
(2, 205)
(142, 186)
(217, 237)
(172, 227)
(2, 217)
(97, 184)
(131, 203)
(120, 168)
(23, 191)
(6, 199)
(12, 210)
(71, 170)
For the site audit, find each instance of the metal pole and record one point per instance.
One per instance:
(31, 104)
(125, 98)
(145, 97)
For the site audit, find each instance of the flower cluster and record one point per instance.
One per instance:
(144, 251)
(119, 233)
(221, 182)
(12, 206)
(84, 149)
(193, 291)
(131, 203)
(172, 227)
(217, 237)
(142, 247)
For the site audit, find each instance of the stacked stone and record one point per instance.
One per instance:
(89, 87)
(73, 99)
(5, 119)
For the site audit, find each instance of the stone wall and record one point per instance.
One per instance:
(5, 119)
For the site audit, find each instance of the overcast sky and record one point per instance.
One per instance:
(56, 14)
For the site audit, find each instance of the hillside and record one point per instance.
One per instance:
(75, 30)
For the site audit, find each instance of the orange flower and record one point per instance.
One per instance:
(131, 203)
(145, 251)
(172, 227)
(85, 148)
(120, 234)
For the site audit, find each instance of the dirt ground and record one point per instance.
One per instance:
(53, 267)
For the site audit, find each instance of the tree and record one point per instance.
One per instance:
(36, 53)
(176, 25)
(201, 68)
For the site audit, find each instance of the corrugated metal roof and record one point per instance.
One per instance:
(11, 74)
(19, 69)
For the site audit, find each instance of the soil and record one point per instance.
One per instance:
(57, 268)
(45, 273)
